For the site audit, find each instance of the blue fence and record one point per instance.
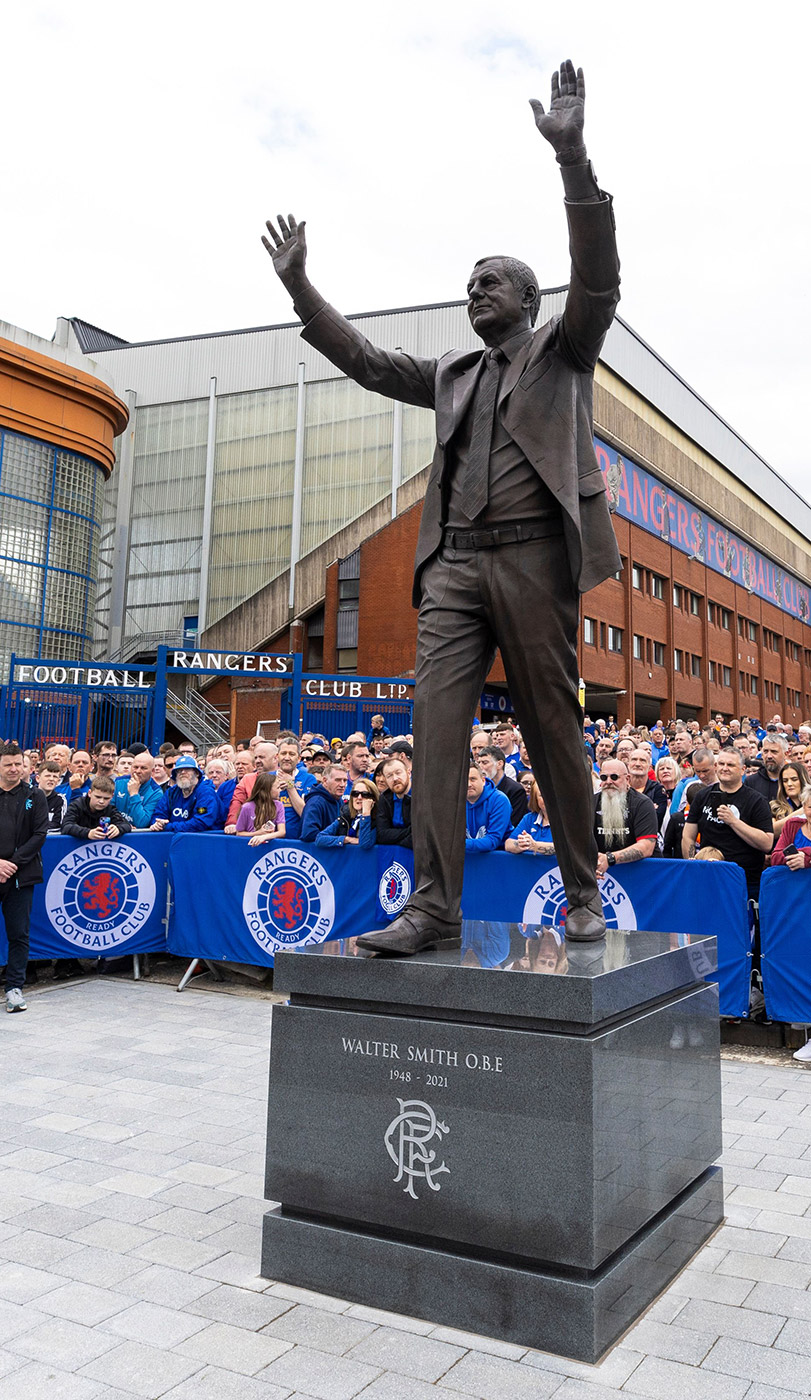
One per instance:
(242, 903)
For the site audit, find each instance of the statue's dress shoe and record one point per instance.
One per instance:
(585, 924)
(406, 935)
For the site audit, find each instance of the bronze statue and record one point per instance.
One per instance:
(515, 524)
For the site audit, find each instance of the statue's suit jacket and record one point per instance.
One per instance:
(545, 397)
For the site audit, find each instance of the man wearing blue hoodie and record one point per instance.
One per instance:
(139, 795)
(189, 803)
(322, 804)
(488, 813)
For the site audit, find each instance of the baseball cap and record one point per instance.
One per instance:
(186, 761)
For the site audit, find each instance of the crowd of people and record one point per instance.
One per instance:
(733, 790)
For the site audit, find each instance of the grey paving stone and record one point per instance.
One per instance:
(324, 1331)
(21, 1284)
(157, 1326)
(378, 1315)
(469, 1341)
(716, 1288)
(751, 1175)
(668, 1380)
(675, 1343)
(390, 1386)
(318, 1374)
(202, 1198)
(765, 1270)
(38, 1382)
(37, 1250)
(187, 1224)
(54, 1220)
(490, 1378)
(793, 1226)
(239, 1307)
(115, 1235)
(16, 1318)
(768, 1392)
(797, 1186)
(582, 1390)
(766, 1200)
(788, 1302)
(66, 1345)
(177, 1253)
(241, 1270)
(393, 1350)
(82, 1302)
(234, 1348)
(212, 1383)
(797, 1250)
(612, 1372)
(239, 1238)
(145, 1371)
(102, 1267)
(755, 1363)
(753, 1241)
(720, 1320)
(168, 1287)
(795, 1336)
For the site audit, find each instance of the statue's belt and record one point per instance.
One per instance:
(505, 534)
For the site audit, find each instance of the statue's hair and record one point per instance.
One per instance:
(521, 276)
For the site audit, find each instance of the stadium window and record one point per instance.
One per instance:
(657, 586)
(590, 631)
(695, 604)
(639, 647)
(615, 639)
(636, 577)
(658, 653)
(676, 595)
(695, 666)
(725, 619)
(713, 672)
(677, 661)
(727, 676)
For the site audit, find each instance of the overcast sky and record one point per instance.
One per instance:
(145, 144)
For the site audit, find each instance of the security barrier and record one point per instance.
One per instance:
(229, 900)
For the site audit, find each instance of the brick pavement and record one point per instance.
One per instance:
(131, 1142)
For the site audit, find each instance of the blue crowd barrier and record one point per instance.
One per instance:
(242, 903)
(99, 899)
(785, 943)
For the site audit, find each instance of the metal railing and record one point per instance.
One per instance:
(199, 720)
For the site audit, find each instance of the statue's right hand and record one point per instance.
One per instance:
(287, 248)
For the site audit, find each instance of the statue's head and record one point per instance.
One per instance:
(503, 298)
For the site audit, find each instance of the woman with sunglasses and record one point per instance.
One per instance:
(356, 824)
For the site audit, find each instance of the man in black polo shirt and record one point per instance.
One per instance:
(625, 823)
(23, 828)
(734, 818)
(773, 752)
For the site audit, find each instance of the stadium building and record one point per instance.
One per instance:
(262, 501)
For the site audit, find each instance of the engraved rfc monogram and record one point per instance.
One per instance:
(407, 1138)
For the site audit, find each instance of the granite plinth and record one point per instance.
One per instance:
(523, 1127)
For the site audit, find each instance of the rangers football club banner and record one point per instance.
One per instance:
(785, 940)
(243, 903)
(100, 899)
(665, 896)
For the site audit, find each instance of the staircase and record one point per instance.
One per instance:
(199, 720)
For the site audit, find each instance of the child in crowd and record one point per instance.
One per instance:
(93, 817)
(49, 775)
(264, 813)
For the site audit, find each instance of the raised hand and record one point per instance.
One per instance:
(288, 249)
(562, 125)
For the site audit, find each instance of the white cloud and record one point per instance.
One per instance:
(149, 145)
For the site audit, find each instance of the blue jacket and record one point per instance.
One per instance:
(334, 834)
(305, 782)
(224, 794)
(377, 733)
(65, 790)
(534, 824)
(197, 812)
(488, 820)
(320, 810)
(141, 808)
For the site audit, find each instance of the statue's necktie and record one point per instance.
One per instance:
(476, 483)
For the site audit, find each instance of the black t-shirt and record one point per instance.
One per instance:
(640, 822)
(752, 809)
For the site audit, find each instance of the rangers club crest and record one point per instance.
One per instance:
(546, 902)
(394, 888)
(288, 901)
(100, 895)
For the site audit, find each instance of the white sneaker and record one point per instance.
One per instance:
(804, 1052)
(15, 1001)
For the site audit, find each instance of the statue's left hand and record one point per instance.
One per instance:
(562, 125)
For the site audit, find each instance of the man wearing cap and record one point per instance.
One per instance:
(189, 803)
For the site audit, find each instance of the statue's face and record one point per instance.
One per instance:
(495, 307)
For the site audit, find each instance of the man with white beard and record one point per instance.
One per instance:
(625, 821)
